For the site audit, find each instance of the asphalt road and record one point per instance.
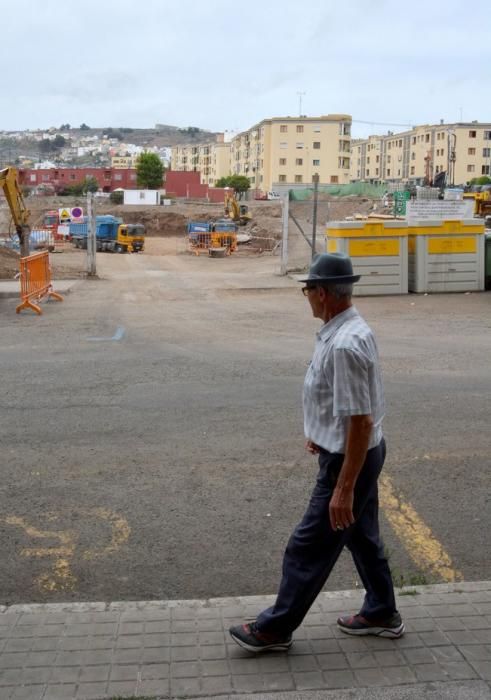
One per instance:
(151, 431)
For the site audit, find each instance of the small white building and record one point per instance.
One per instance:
(143, 197)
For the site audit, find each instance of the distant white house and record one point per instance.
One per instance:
(143, 197)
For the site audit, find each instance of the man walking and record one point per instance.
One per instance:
(343, 411)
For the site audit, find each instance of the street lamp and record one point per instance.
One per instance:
(451, 156)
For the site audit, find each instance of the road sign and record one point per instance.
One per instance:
(76, 214)
(64, 215)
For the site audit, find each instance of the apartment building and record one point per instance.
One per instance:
(288, 151)
(212, 160)
(462, 150)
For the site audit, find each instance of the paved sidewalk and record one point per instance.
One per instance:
(182, 649)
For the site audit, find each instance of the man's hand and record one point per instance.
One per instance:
(312, 447)
(341, 508)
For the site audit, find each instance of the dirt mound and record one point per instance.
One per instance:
(9, 263)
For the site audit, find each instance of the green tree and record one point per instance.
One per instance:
(240, 183)
(90, 185)
(46, 146)
(483, 180)
(149, 171)
(84, 127)
(59, 141)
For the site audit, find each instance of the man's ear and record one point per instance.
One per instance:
(322, 293)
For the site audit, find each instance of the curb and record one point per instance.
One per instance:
(81, 607)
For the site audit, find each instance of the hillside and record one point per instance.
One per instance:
(20, 145)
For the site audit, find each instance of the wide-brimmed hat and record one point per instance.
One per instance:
(331, 267)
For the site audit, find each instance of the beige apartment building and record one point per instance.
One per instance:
(462, 150)
(288, 151)
(212, 160)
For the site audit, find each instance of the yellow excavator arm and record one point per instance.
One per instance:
(235, 211)
(20, 213)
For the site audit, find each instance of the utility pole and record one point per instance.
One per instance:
(315, 180)
(284, 242)
(91, 236)
(300, 94)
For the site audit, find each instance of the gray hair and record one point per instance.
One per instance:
(340, 289)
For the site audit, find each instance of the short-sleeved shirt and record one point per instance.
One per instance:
(343, 380)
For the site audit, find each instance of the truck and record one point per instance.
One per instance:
(112, 235)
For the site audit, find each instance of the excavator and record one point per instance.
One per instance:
(20, 213)
(235, 211)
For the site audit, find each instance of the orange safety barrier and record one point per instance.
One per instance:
(35, 281)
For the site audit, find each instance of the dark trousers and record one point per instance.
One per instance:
(314, 548)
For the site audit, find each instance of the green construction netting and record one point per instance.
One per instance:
(363, 189)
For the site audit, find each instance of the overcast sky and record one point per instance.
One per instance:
(224, 65)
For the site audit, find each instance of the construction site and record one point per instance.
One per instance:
(166, 227)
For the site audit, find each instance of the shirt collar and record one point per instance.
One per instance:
(330, 328)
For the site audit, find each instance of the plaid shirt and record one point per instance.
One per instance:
(343, 380)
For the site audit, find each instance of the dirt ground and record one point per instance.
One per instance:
(170, 222)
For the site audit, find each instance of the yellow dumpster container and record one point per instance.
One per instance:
(446, 256)
(378, 251)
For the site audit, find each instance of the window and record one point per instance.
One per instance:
(317, 129)
(485, 170)
(412, 169)
(414, 140)
(471, 151)
(282, 178)
(32, 177)
(282, 161)
(413, 156)
(298, 178)
(486, 152)
(368, 159)
(299, 161)
(388, 172)
(72, 177)
(299, 144)
(45, 177)
(427, 138)
(283, 144)
(487, 136)
(142, 194)
(334, 179)
(299, 128)
(400, 143)
(388, 159)
(471, 168)
(118, 177)
(133, 176)
(472, 134)
(376, 171)
(377, 159)
(316, 162)
(283, 128)
(316, 145)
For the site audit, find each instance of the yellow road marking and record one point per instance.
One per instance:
(60, 577)
(423, 548)
(120, 533)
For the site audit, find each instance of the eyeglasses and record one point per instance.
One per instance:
(306, 290)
